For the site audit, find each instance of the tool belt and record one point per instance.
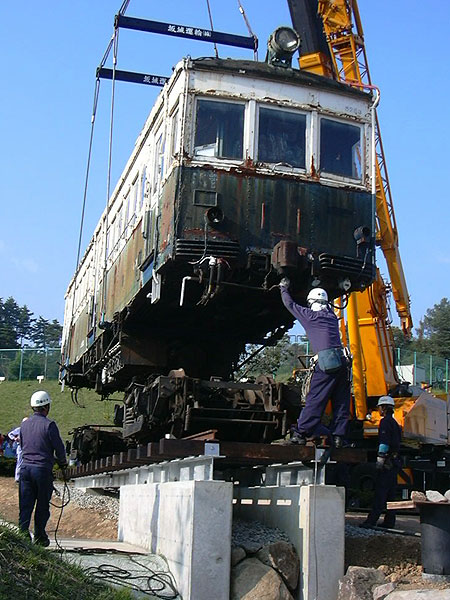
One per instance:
(331, 360)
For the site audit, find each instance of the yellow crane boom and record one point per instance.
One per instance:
(343, 57)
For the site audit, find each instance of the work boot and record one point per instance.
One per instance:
(42, 541)
(338, 441)
(297, 438)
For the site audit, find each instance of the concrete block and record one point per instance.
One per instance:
(322, 521)
(138, 515)
(194, 535)
(187, 522)
(314, 519)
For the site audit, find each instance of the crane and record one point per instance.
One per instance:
(333, 46)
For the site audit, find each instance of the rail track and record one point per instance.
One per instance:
(227, 455)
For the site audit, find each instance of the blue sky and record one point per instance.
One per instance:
(50, 52)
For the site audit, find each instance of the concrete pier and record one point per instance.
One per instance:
(178, 510)
(187, 522)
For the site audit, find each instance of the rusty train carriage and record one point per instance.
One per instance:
(243, 173)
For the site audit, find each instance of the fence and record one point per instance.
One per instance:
(417, 368)
(28, 363)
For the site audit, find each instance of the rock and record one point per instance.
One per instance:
(237, 554)
(251, 580)
(282, 557)
(418, 496)
(434, 496)
(420, 595)
(358, 582)
(381, 591)
(383, 568)
(251, 547)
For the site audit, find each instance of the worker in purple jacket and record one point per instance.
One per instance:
(330, 379)
(40, 442)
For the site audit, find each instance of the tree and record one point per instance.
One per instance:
(434, 330)
(24, 324)
(9, 316)
(272, 359)
(46, 334)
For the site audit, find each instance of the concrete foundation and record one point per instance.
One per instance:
(313, 516)
(186, 516)
(187, 522)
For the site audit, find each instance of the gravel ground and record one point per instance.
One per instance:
(108, 505)
(253, 535)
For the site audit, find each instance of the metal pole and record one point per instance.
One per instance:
(446, 375)
(21, 363)
(431, 369)
(415, 366)
(359, 383)
(45, 364)
(398, 357)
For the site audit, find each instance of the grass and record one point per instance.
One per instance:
(31, 572)
(15, 405)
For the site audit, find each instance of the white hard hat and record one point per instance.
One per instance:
(386, 401)
(40, 399)
(317, 299)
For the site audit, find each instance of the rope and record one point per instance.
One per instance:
(61, 507)
(159, 584)
(212, 27)
(242, 11)
(115, 41)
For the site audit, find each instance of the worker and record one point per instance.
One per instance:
(15, 435)
(40, 442)
(331, 376)
(388, 465)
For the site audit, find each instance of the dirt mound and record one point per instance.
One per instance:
(76, 522)
(384, 549)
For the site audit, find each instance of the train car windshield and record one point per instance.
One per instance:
(340, 149)
(219, 129)
(282, 137)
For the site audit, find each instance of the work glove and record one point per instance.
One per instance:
(380, 462)
(284, 283)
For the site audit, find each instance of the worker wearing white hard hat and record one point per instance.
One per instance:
(388, 465)
(330, 379)
(41, 443)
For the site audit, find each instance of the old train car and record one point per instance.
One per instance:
(244, 172)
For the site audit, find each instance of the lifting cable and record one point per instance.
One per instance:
(242, 11)
(212, 27)
(122, 10)
(115, 44)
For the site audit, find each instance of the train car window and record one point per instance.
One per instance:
(282, 137)
(340, 149)
(219, 129)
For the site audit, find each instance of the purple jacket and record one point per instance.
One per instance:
(321, 327)
(40, 442)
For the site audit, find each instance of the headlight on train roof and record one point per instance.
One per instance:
(282, 44)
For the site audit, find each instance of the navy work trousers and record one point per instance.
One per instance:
(324, 387)
(385, 487)
(35, 488)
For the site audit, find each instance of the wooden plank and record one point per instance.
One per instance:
(402, 504)
(265, 452)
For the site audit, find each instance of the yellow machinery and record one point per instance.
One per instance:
(369, 334)
(333, 46)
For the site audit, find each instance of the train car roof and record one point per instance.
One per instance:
(263, 70)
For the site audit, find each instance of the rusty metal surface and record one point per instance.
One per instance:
(231, 454)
